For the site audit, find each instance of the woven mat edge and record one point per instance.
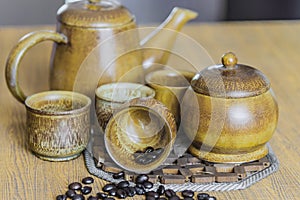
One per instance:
(243, 184)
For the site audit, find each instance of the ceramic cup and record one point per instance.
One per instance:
(140, 136)
(58, 124)
(170, 86)
(111, 96)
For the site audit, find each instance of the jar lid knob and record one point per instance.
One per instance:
(229, 60)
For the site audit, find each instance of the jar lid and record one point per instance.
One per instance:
(230, 80)
(94, 14)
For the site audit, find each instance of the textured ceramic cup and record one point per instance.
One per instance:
(170, 86)
(110, 97)
(140, 136)
(58, 124)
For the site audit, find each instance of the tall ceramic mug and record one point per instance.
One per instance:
(81, 27)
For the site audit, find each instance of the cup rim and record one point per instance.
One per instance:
(99, 91)
(56, 94)
(165, 72)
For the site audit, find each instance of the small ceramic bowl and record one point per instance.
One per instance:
(110, 97)
(140, 136)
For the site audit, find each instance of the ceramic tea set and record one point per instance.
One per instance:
(133, 116)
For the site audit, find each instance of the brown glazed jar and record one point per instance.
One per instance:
(230, 113)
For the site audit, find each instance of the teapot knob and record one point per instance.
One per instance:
(229, 60)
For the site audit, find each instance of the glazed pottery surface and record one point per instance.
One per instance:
(110, 97)
(170, 86)
(233, 115)
(230, 130)
(58, 124)
(144, 123)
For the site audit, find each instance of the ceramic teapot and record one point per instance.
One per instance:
(81, 26)
(233, 115)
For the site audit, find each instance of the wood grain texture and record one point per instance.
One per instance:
(272, 47)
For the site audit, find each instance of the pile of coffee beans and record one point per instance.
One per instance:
(123, 189)
(148, 155)
(77, 190)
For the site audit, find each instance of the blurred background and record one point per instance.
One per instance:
(32, 12)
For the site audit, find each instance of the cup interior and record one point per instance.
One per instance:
(169, 78)
(133, 130)
(122, 92)
(57, 102)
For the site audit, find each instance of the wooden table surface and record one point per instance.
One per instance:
(272, 47)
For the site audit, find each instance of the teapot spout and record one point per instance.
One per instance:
(158, 44)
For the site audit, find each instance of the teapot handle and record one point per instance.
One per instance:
(18, 52)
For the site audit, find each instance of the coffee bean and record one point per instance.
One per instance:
(140, 190)
(113, 192)
(148, 156)
(75, 186)
(101, 195)
(153, 194)
(70, 193)
(123, 184)
(144, 160)
(202, 196)
(86, 190)
(188, 198)
(108, 187)
(162, 198)
(148, 185)
(151, 156)
(121, 194)
(78, 197)
(187, 193)
(149, 150)
(118, 175)
(161, 190)
(139, 185)
(92, 198)
(87, 180)
(131, 191)
(158, 151)
(109, 198)
(126, 189)
(61, 197)
(169, 193)
(138, 154)
(141, 178)
(175, 197)
(150, 198)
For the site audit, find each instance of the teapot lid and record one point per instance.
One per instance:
(94, 14)
(230, 80)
